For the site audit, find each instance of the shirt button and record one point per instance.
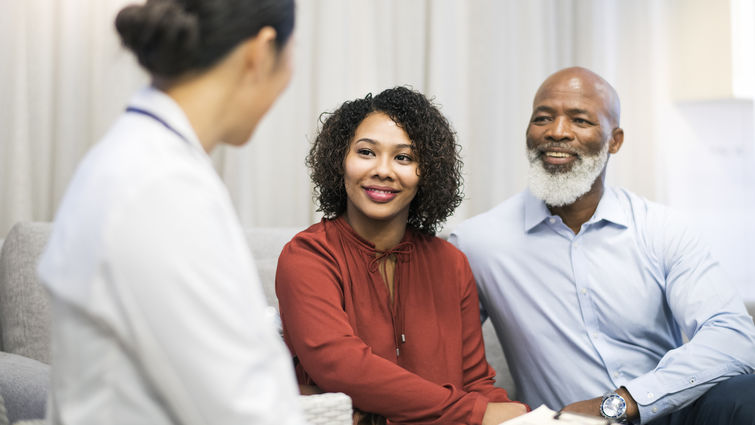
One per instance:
(594, 335)
(692, 380)
(583, 291)
(616, 374)
(650, 395)
(654, 409)
(551, 220)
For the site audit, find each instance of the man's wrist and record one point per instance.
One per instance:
(633, 412)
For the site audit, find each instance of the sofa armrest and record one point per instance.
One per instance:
(24, 302)
(23, 387)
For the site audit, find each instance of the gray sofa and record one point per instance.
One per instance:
(24, 315)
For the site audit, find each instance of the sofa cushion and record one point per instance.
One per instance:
(23, 386)
(266, 244)
(24, 303)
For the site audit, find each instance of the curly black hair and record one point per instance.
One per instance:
(433, 141)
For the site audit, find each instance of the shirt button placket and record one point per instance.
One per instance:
(581, 283)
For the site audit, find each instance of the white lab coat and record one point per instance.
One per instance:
(158, 315)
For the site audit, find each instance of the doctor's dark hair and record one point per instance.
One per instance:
(172, 37)
(433, 142)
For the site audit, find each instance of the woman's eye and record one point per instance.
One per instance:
(404, 157)
(364, 151)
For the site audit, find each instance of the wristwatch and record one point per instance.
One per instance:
(613, 407)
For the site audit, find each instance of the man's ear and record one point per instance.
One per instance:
(617, 139)
(259, 51)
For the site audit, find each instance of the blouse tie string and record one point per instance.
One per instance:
(401, 251)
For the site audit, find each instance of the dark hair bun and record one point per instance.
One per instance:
(173, 37)
(162, 34)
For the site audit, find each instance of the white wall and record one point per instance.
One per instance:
(709, 162)
(706, 140)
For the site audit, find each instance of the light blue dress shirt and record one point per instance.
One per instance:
(582, 314)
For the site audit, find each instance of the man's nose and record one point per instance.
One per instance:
(559, 130)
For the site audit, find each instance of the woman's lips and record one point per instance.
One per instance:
(379, 194)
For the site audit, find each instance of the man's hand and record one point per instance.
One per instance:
(499, 412)
(591, 407)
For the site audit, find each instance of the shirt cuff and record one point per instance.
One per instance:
(647, 391)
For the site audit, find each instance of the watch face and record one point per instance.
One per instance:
(613, 406)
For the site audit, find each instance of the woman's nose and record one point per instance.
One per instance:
(383, 167)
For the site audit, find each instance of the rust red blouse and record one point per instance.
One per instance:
(418, 359)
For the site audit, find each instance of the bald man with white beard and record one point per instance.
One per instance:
(591, 288)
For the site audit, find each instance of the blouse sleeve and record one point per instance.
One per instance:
(479, 376)
(318, 331)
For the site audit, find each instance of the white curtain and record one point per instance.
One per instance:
(64, 78)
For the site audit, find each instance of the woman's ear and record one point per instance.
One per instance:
(260, 52)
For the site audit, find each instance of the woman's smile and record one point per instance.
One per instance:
(379, 194)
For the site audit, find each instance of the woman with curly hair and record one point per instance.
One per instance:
(372, 303)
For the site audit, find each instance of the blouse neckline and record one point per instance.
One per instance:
(402, 249)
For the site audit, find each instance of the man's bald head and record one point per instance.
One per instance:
(589, 83)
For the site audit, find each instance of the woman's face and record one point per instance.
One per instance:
(381, 173)
(262, 89)
(282, 70)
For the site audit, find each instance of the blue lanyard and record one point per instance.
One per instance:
(158, 119)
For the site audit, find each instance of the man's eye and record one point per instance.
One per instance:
(582, 121)
(539, 119)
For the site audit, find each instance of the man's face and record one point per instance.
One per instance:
(569, 137)
(569, 122)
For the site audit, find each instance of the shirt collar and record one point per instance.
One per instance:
(535, 211)
(163, 106)
(609, 209)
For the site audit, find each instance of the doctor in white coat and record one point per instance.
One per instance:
(158, 314)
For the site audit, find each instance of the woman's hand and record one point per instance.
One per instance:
(363, 418)
(499, 412)
(305, 389)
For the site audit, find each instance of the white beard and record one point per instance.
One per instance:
(559, 189)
